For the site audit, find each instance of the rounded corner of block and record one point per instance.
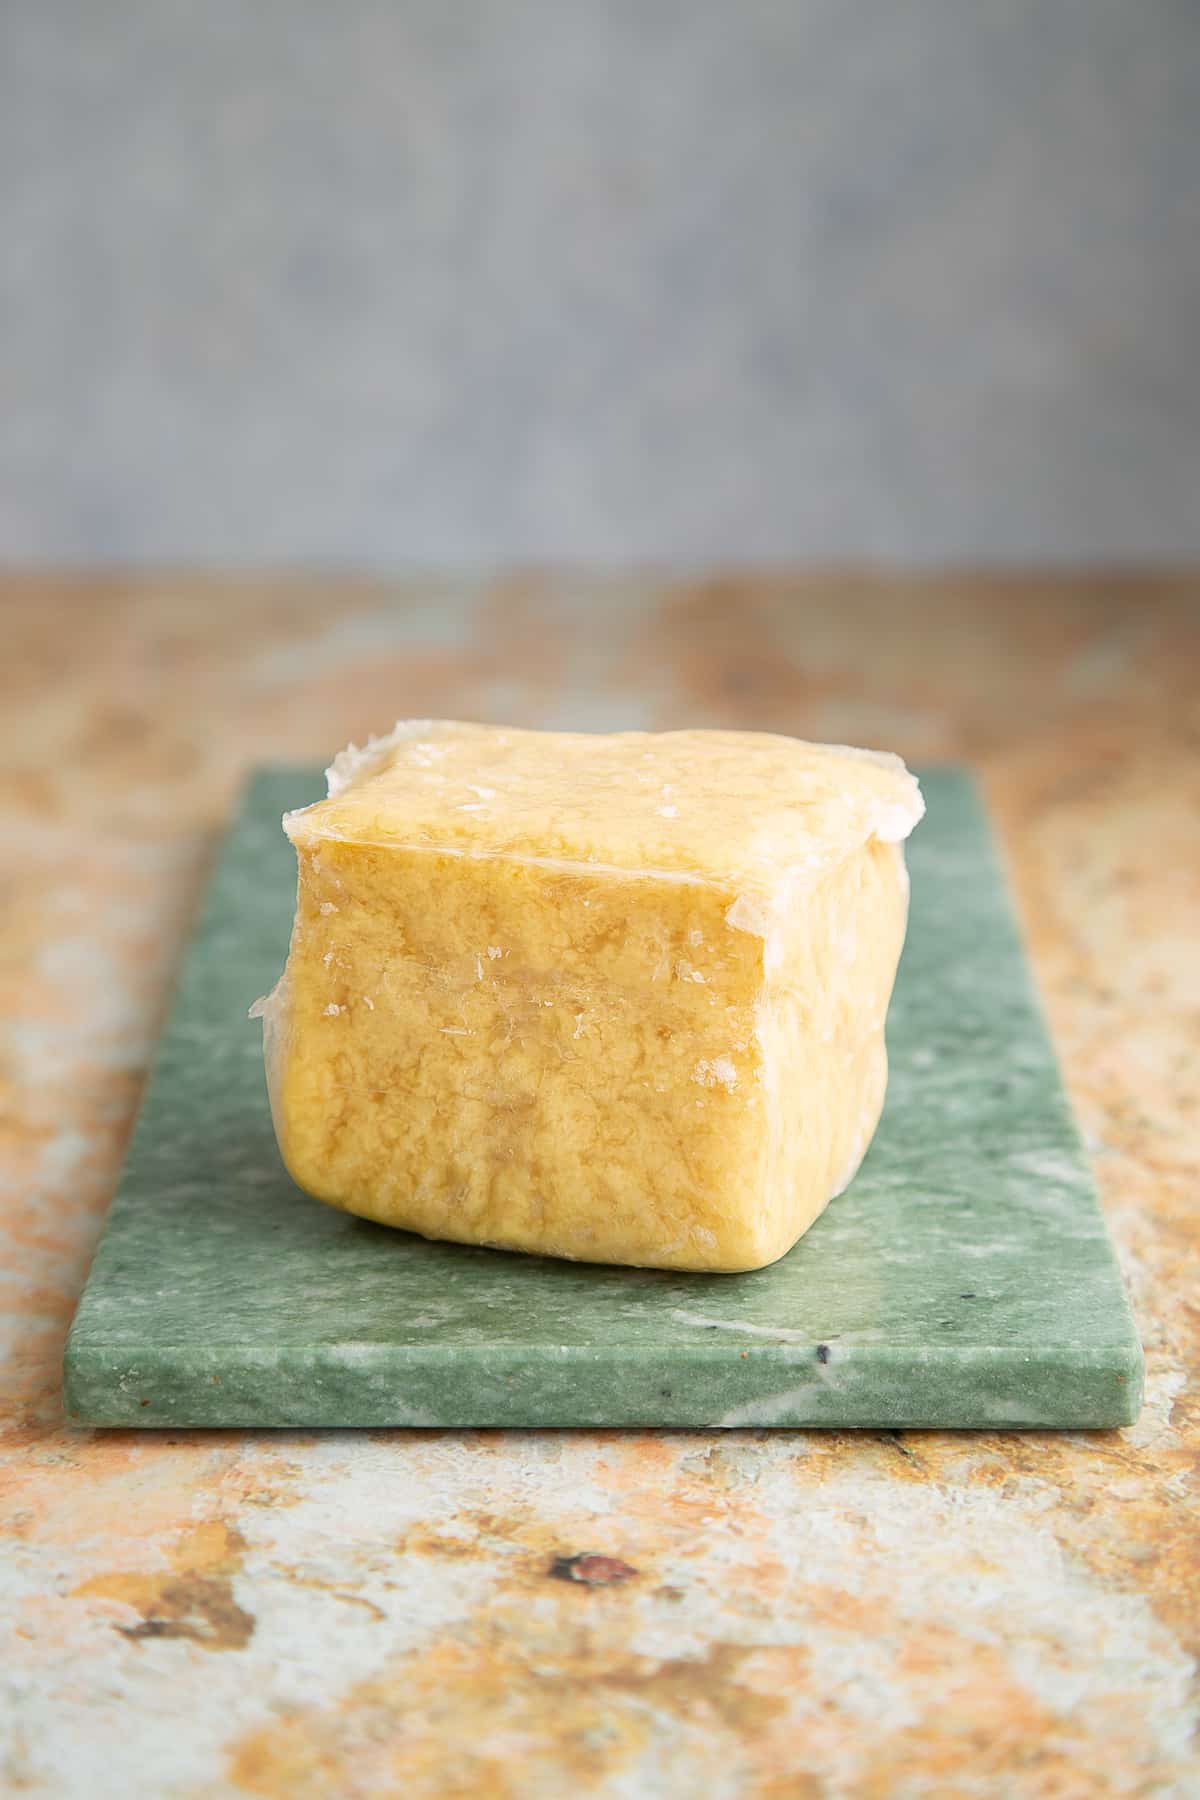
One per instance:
(1129, 1382)
(74, 1387)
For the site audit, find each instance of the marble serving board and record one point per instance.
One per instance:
(964, 1279)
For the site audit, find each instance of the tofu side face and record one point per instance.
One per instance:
(671, 1067)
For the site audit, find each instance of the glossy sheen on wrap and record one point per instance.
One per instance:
(612, 998)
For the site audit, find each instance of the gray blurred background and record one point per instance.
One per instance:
(454, 282)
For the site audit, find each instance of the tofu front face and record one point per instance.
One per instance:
(612, 1063)
(490, 1052)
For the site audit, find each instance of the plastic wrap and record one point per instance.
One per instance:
(613, 998)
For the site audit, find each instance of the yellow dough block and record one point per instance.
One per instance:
(614, 998)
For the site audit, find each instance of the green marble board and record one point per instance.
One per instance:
(964, 1279)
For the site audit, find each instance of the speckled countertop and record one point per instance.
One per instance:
(784, 1615)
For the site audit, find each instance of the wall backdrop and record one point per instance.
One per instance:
(466, 281)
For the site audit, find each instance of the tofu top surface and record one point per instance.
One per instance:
(736, 808)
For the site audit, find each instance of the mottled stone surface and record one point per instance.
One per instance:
(964, 1279)
(312, 1613)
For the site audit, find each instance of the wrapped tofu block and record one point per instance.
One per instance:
(613, 998)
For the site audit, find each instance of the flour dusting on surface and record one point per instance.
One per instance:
(717, 1071)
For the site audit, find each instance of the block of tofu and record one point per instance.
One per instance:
(616, 998)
